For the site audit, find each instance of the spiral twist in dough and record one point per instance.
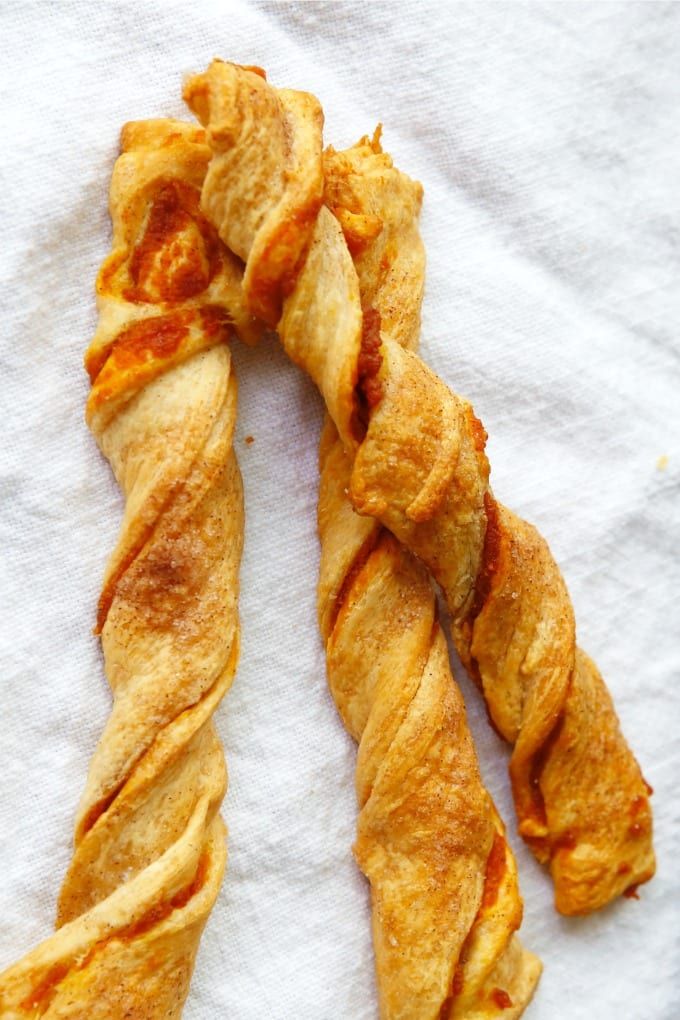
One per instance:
(443, 878)
(149, 843)
(418, 466)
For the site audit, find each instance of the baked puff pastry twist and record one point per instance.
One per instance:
(443, 878)
(419, 467)
(149, 843)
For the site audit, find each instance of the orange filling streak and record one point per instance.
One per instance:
(501, 998)
(370, 359)
(493, 878)
(140, 351)
(368, 389)
(358, 564)
(491, 550)
(43, 993)
(163, 910)
(495, 871)
(158, 337)
(567, 841)
(41, 996)
(477, 430)
(538, 764)
(156, 270)
(100, 808)
(281, 263)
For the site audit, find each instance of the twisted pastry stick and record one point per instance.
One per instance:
(443, 877)
(418, 465)
(149, 843)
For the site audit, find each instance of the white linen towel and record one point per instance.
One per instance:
(547, 140)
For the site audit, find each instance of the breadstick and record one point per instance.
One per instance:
(427, 829)
(149, 843)
(419, 467)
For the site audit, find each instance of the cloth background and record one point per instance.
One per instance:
(547, 140)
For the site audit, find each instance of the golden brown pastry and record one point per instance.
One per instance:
(443, 878)
(418, 466)
(149, 843)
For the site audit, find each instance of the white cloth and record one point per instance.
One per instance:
(547, 140)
